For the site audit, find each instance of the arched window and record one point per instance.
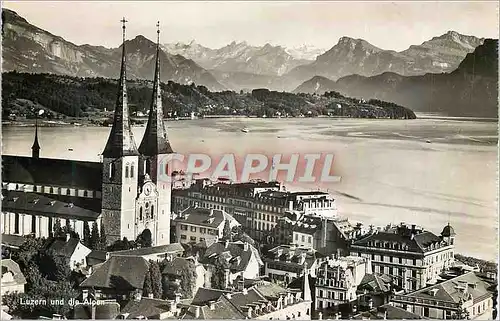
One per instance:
(132, 170)
(152, 211)
(51, 190)
(140, 213)
(126, 171)
(16, 223)
(33, 224)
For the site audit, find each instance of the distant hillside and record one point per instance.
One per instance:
(86, 97)
(470, 90)
(27, 48)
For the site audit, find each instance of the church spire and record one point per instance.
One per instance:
(121, 140)
(155, 140)
(35, 149)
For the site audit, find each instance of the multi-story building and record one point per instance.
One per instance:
(125, 191)
(462, 297)
(337, 280)
(285, 263)
(327, 235)
(412, 256)
(256, 205)
(196, 224)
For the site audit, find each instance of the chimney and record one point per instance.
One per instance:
(173, 306)
(241, 285)
(226, 244)
(249, 313)
(227, 275)
(197, 312)
(339, 252)
(67, 237)
(245, 246)
(290, 205)
(212, 305)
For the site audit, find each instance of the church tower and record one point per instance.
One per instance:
(120, 167)
(153, 149)
(35, 149)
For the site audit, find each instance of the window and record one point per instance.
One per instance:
(16, 223)
(51, 190)
(193, 228)
(183, 237)
(184, 227)
(33, 224)
(126, 171)
(310, 239)
(132, 170)
(203, 230)
(192, 238)
(152, 211)
(303, 238)
(140, 214)
(111, 170)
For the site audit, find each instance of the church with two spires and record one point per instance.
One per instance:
(124, 193)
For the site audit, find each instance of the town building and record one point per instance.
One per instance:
(374, 290)
(13, 279)
(337, 281)
(412, 256)
(463, 297)
(285, 263)
(242, 259)
(119, 278)
(264, 301)
(387, 312)
(257, 205)
(124, 191)
(197, 224)
(327, 235)
(71, 250)
(155, 253)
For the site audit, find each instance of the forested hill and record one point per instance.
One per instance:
(86, 97)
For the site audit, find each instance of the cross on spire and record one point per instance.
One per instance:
(158, 31)
(123, 21)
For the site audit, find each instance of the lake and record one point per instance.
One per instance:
(427, 171)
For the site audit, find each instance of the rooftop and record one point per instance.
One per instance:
(48, 204)
(52, 172)
(119, 273)
(204, 217)
(173, 248)
(237, 253)
(387, 312)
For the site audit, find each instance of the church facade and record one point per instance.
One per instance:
(124, 192)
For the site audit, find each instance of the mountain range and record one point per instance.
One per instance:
(469, 90)
(27, 48)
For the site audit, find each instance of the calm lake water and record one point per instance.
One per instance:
(425, 171)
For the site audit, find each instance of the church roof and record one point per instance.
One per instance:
(155, 140)
(51, 205)
(121, 140)
(52, 172)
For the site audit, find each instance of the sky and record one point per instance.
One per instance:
(388, 25)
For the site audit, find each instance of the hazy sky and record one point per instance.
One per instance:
(389, 25)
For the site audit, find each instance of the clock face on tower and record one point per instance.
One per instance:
(147, 190)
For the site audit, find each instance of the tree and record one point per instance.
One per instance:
(86, 234)
(188, 281)
(58, 230)
(218, 279)
(145, 239)
(147, 289)
(28, 252)
(94, 237)
(226, 232)
(102, 240)
(157, 288)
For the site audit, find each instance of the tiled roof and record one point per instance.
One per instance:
(9, 265)
(119, 273)
(106, 310)
(376, 283)
(52, 172)
(149, 308)
(96, 257)
(223, 309)
(233, 251)
(419, 242)
(452, 290)
(173, 248)
(292, 255)
(51, 205)
(205, 295)
(393, 313)
(13, 240)
(201, 216)
(61, 247)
